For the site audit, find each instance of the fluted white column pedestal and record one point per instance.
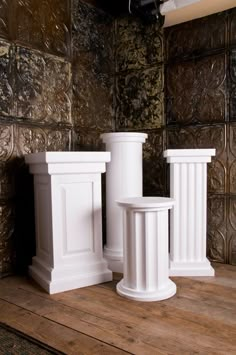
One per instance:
(146, 257)
(124, 178)
(67, 192)
(188, 186)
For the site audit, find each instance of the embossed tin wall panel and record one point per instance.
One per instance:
(232, 28)
(92, 99)
(194, 137)
(140, 99)
(92, 44)
(196, 91)
(38, 139)
(154, 165)
(44, 25)
(88, 141)
(4, 18)
(137, 45)
(92, 36)
(194, 38)
(232, 158)
(232, 83)
(216, 228)
(6, 238)
(232, 230)
(7, 188)
(6, 90)
(6, 141)
(42, 87)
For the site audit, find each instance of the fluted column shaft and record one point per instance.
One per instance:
(188, 186)
(146, 262)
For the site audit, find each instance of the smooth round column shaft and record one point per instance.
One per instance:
(124, 178)
(146, 256)
(188, 219)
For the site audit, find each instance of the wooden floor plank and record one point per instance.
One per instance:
(55, 335)
(154, 320)
(90, 324)
(199, 319)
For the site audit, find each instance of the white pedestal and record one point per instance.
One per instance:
(188, 186)
(67, 192)
(124, 178)
(146, 257)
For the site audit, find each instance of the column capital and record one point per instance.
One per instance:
(189, 155)
(53, 163)
(124, 137)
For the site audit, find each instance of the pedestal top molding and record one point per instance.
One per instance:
(146, 202)
(67, 162)
(189, 155)
(123, 137)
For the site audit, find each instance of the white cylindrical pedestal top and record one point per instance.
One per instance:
(188, 186)
(146, 257)
(124, 178)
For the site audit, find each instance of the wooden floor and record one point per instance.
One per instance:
(199, 319)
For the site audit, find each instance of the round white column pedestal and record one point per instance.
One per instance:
(188, 219)
(146, 257)
(124, 178)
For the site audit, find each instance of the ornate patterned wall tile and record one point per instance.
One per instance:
(232, 28)
(140, 99)
(232, 84)
(42, 87)
(36, 139)
(137, 45)
(30, 140)
(194, 137)
(232, 230)
(6, 181)
(92, 43)
(88, 141)
(232, 158)
(232, 249)
(4, 20)
(7, 224)
(6, 260)
(196, 37)
(92, 99)
(154, 166)
(6, 90)
(196, 91)
(45, 25)
(6, 141)
(216, 228)
(92, 33)
(59, 139)
(6, 238)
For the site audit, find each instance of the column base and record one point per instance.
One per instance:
(114, 260)
(146, 296)
(191, 269)
(70, 277)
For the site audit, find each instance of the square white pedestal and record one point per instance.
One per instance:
(67, 192)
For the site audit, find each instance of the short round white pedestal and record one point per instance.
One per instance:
(146, 258)
(124, 178)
